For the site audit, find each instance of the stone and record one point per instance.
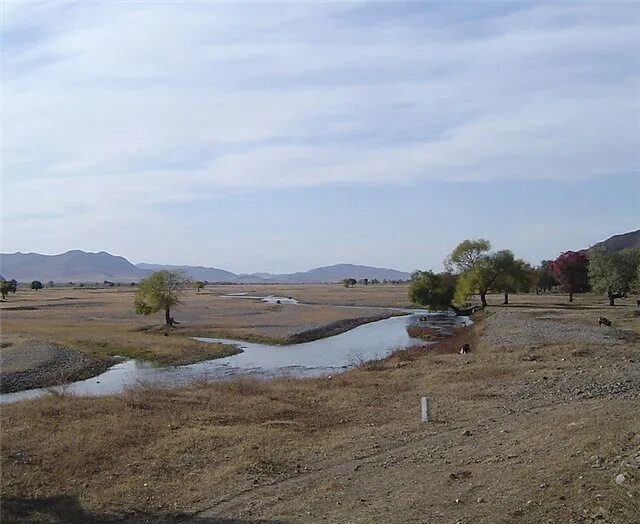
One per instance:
(620, 478)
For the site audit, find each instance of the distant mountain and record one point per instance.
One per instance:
(313, 276)
(619, 242)
(70, 266)
(79, 266)
(337, 273)
(208, 274)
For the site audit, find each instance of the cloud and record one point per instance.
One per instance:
(107, 105)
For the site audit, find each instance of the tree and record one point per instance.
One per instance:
(471, 261)
(613, 273)
(466, 255)
(432, 289)
(36, 284)
(513, 274)
(198, 285)
(635, 285)
(478, 279)
(570, 268)
(8, 286)
(546, 280)
(349, 282)
(160, 292)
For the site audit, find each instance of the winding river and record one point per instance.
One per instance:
(319, 357)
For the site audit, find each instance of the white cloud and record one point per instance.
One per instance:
(107, 105)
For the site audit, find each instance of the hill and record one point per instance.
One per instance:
(80, 266)
(619, 242)
(70, 266)
(208, 274)
(336, 273)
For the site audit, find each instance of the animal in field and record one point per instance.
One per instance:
(465, 349)
(604, 321)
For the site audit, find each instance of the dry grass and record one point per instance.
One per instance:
(349, 448)
(102, 321)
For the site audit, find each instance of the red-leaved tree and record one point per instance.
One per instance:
(571, 270)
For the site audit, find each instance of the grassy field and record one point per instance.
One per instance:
(102, 321)
(533, 426)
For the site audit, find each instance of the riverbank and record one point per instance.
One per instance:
(80, 331)
(538, 423)
(288, 337)
(33, 363)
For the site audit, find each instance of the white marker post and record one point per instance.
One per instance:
(426, 409)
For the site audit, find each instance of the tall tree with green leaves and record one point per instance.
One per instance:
(470, 260)
(434, 290)
(467, 255)
(613, 273)
(8, 286)
(160, 292)
(513, 274)
(37, 285)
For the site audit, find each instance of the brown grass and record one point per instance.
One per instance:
(102, 321)
(349, 448)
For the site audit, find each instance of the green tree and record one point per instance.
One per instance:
(198, 284)
(635, 285)
(546, 280)
(472, 262)
(434, 290)
(613, 273)
(37, 285)
(467, 255)
(160, 292)
(479, 279)
(349, 282)
(513, 274)
(8, 286)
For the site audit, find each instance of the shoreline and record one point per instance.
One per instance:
(60, 366)
(65, 365)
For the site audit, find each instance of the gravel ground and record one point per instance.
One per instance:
(512, 329)
(37, 363)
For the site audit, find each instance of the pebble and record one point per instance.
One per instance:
(620, 478)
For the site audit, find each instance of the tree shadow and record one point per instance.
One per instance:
(66, 509)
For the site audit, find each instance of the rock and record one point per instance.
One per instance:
(620, 478)
(466, 433)
(480, 500)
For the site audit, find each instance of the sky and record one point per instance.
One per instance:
(283, 136)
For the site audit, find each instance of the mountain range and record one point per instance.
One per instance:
(80, 266)
(629, 240)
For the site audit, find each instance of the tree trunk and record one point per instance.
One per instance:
(570, 296)
(483, 298)
(506, 298)
(612, 298)
(167, 317)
